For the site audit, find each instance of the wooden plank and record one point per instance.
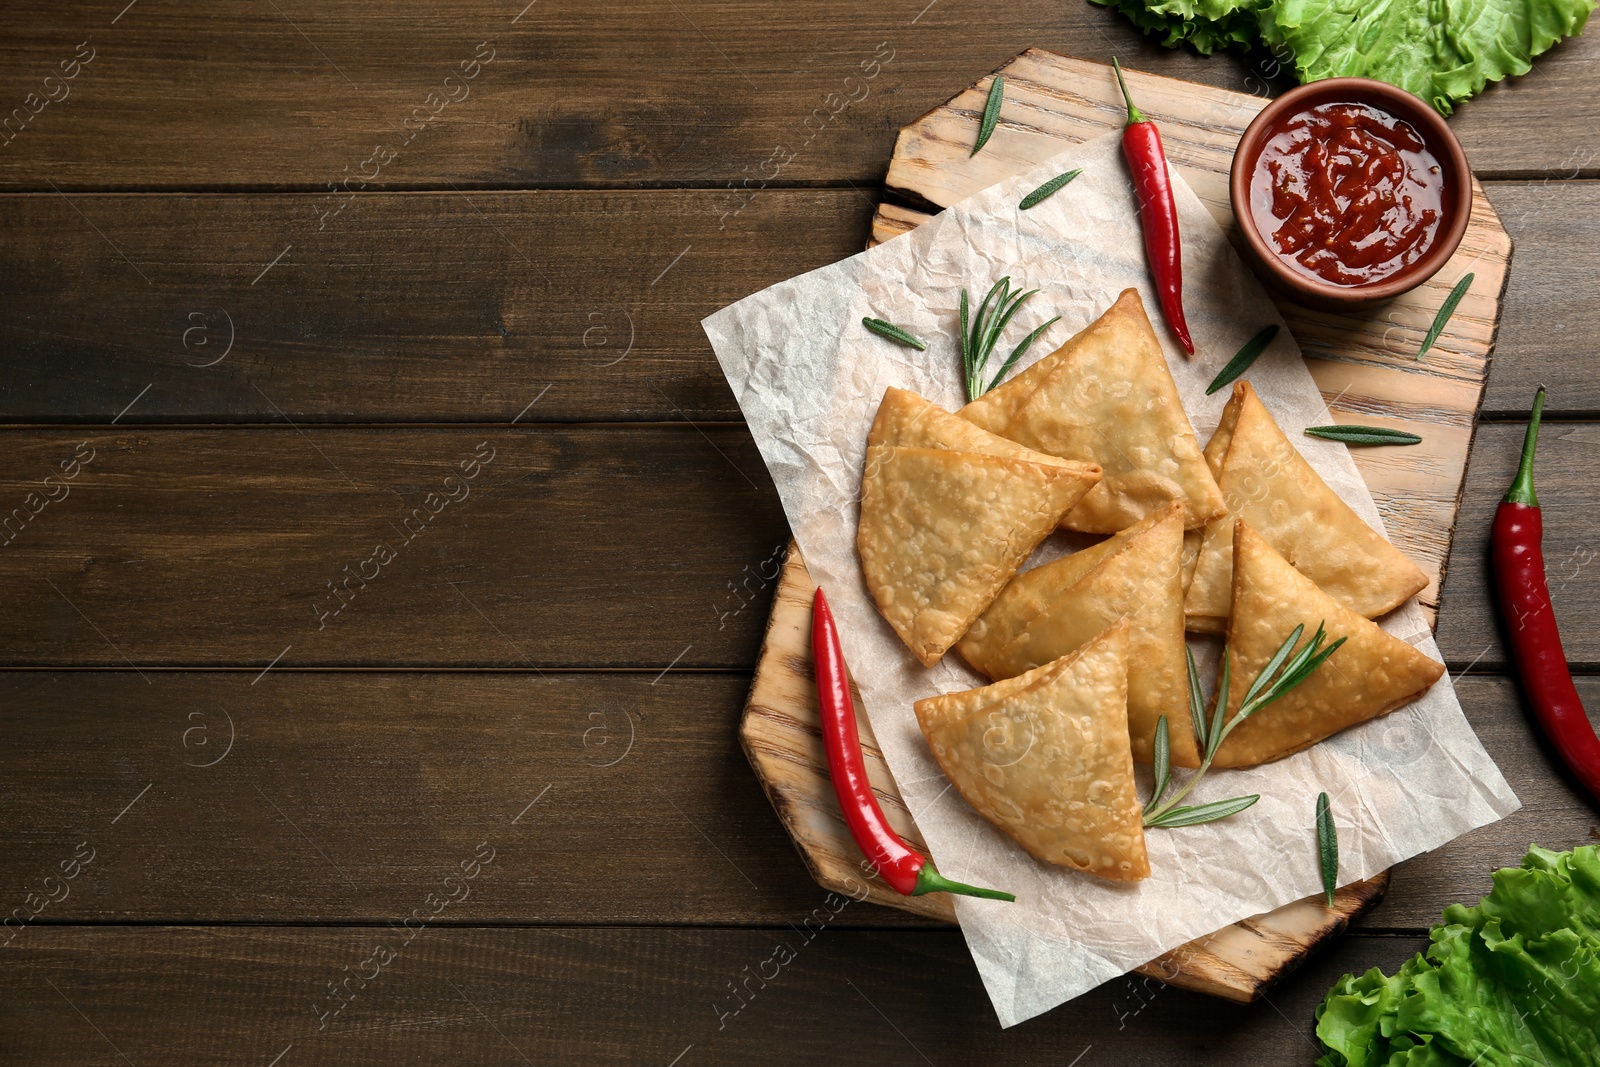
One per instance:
(209, 547)
(602, 996)
(83, 335)
(1468, 625)
(317, 797)
(436, 307)
(387, 778)
(230, 547)
(725, 86)
(1550, 324)
(216, 547)
(1555, 812)
(617, 93)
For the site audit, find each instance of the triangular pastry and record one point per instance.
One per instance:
(913, 421)
(1029, 593)
(1045, 758)
(1371, 674)
(1266, 482)
(1108, 397)
(942, 532)
(995, 409)
(1140, 580)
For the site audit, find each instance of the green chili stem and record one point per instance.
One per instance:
(931, 881)
(1134, 114)
(1521, 491)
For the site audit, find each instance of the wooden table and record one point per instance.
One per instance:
(388, 563)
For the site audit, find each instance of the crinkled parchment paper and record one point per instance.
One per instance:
(809, 377)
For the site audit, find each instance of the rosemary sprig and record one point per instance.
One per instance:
(893, 333)
(980, 333)
(991, 113)
(1241, 362)
(1327, 847)
(1048, 189)
(1446, 309)
(1285, 670)
(1363, 435)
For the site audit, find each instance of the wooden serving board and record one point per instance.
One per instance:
(1365, 366)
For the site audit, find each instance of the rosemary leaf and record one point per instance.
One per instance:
(1197, 701)
(991, 113)
(1363, 435)
(1312, 664)
(1161, 764)
(1327, 847)
(1214, 734)
(893, 333)
(1287, 668)
(980, 321)
(1048, 189)
(1016, 353)
(1265, 679)
(1010, 304)
(1241, 361)
(980, 333)
(1200, 813)
(1298, 661)
(1446, 309)
(966, 349)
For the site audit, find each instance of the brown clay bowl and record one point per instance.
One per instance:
(1436, 135)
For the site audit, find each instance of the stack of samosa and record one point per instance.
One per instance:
(948, 514)
(1087, 653)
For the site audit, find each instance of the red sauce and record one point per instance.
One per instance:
(1347, 194)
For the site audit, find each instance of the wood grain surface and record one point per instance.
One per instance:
(617, 170)
(476, 341)
(487, 299)
(299, 94)
(345, 791)
(216, 546)
(604, 995)
(366, 546)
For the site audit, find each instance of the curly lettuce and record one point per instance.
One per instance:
(1444, 51)
(1206, 25)
(1512, 982)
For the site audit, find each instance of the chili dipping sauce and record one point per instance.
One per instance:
(1347, 193)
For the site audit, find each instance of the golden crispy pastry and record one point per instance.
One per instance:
(912, 421)
(1140, 580)
(995, 409)
(1029, 593)
(942, 532)
(1108, 397)
(1045, 757)
(1371, 674)
(1266, 482)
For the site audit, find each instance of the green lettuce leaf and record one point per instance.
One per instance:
(1512, 982)
(1206, 25)
(1444, 51)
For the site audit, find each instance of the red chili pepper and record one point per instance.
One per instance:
(1517, 555)
(1141, 143)
(905, 869)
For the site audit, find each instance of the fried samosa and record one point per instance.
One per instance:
(1044, 757)
(1266, 482)
(1371, 674)
(942, 532)
(1107, 397)
(1138, 576)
